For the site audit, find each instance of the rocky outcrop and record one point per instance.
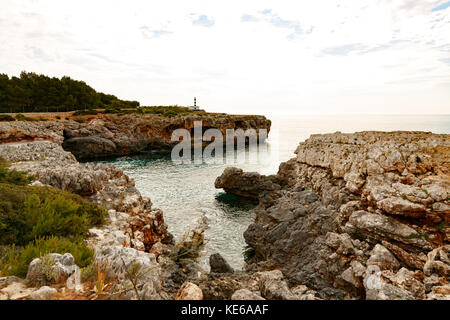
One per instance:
(52, 268)
(30, 131)
(360, 215)
(119, 135)
(219, 265)
(247, 184)
(114, 135)
(189, 291)
(270, 285)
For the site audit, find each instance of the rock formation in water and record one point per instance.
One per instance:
(114, 135)
(353, 216)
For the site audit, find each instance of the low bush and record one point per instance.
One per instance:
(248, 253)
(38, 220)
(29, 212)
(85, 112)
(6, 117)
(171, 111)
(13, 176)
(15, 260)
(21, 117)
(112, 110)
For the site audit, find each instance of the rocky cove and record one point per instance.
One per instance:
(352, 216)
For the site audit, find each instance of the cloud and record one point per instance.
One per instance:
(39, 54)
(345, 49)
(443, 6)
(445, 60)
(203, 21)
(274, 19)
(151, 34)
(248, 18)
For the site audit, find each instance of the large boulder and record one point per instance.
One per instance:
(247, 184)
(273, 286)
(43, 293)
(245, 294)
(189, 291)
(50, 269)
(219, 265)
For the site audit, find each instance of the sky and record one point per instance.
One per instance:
(243, 57)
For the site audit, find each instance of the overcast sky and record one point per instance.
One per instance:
(258, 57)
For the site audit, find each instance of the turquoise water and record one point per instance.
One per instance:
(186, 192)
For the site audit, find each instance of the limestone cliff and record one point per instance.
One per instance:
(113, 135)
(363, 215)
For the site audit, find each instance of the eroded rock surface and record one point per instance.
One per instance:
(361, 215)
(114, 135)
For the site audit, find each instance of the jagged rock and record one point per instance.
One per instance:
(381, 257)
(43, 293)
(220, 286)
(91, 146)
(273, 286)
(16, 291)
(219, 265)
(354, 274)
(438, 262)
(189, 291)
(117, 260)
(377, 227)
(29, 131)
(128, 264)
(341, 242)
(247, 184)
(245, 294)
(302, 292)
(6, 281)
(409, 259)
(430, 282)
(440, 293)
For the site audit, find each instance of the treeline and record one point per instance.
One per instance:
(33, 92)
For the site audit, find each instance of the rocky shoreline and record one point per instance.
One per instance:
(352, 216)
(355, 216)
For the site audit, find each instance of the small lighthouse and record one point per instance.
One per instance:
(194, 107)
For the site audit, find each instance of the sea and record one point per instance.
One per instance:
(186, 192)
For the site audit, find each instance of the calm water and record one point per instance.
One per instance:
(186, 192)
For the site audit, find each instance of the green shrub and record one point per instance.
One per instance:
(169, 111)
(15, 260)
(85, 112)
(112, 110)
(29, 212)
(21, 117)
(248, 253)
(6, 117)
(58, 117)
(80, 120)
(13, 176)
